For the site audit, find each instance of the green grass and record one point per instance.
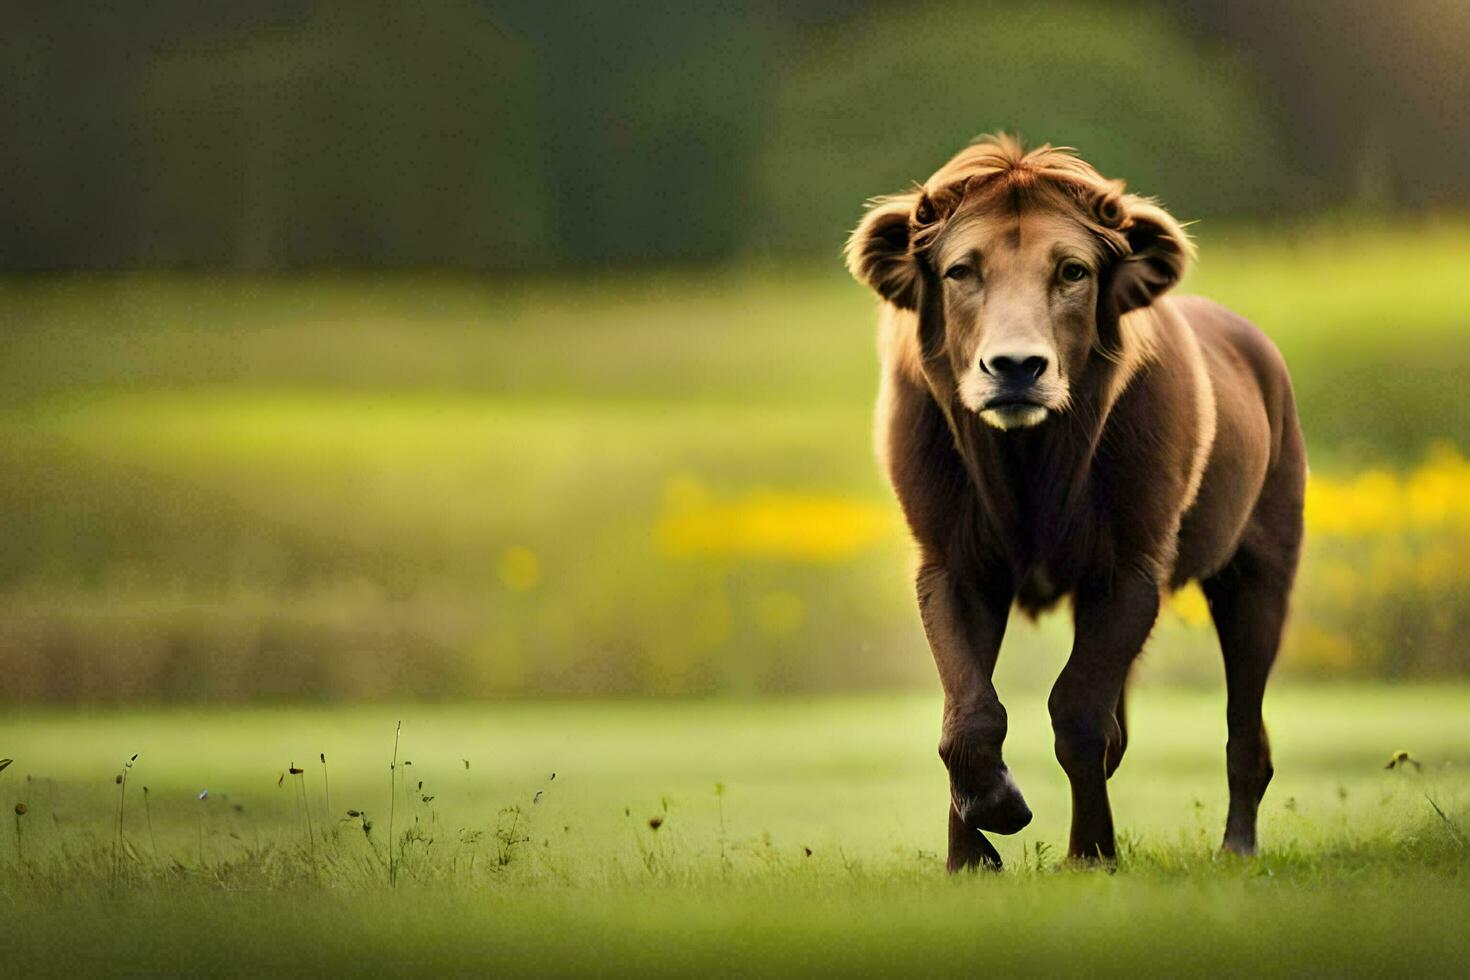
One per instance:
(304, 490)
(1358, 874)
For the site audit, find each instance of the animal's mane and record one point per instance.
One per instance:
(998, 164)
(898, 229)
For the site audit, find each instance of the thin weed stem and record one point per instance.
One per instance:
(306, 811)
(203, 802)
(326, 790)
(122, 802)
(1454, 831)
(392, 803)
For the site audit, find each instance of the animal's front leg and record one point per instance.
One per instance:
(968, 847)
(1113, 619)
(964, 621)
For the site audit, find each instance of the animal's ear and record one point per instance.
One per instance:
(1159, 252)
(878, 251)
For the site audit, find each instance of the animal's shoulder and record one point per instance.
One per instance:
(1223, 332)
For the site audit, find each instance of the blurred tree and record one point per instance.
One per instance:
(1375, 96)
(881, 100)
(374, 132)
(650, 114)
(510, 134)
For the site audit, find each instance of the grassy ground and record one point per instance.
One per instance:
(422, 489)
(793, 836)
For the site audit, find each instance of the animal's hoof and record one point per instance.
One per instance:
(969, 850)
(975, 853)
(995, 804)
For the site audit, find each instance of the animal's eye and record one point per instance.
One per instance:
(960, 270)
(1073, 271)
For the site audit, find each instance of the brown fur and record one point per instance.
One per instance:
(1154, 441)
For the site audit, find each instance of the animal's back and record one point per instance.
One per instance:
(1257, 468)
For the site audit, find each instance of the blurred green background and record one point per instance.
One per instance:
(382, 351)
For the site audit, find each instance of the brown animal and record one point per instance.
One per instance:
(1055, 426)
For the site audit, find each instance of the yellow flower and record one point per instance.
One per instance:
(1189, 605)
(1435, 497)
(770, 524)
(520, 569)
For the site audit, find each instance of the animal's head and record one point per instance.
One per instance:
(1020, 266)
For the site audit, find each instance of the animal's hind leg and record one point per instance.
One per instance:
(1248, 601)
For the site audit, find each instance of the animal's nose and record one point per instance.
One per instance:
(1015, 369)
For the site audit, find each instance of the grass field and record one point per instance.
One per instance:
(408, 486)
(507, 868)
(339, 494)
